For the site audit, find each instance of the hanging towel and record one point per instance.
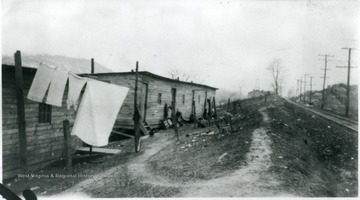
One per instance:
(76, 83)
(97, 112)
(40, 83)
(57, 88)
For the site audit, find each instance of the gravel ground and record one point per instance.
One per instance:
(55, 178)
(197, 157)
(313, 156)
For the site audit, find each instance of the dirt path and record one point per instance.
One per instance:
(139, 167)
(252, 180)
(249, 181)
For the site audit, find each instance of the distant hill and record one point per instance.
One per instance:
(76, 65)
(335, 99)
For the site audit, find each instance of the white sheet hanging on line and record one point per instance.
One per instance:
(76, 83)
(40, 83)
(57, 87)
(97, 112)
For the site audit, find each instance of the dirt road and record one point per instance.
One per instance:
(252, 180)
(139, 167)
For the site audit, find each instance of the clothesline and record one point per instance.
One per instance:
(98, 109)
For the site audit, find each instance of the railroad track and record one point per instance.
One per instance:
(351, 124)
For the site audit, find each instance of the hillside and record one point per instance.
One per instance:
(76, 65)
(335, 99)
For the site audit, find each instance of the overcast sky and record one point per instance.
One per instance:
(226, 44)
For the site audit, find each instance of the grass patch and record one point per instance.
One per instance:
(314, 157)
(55, 178)
(126, 186)
(197, 157)
(119, 185)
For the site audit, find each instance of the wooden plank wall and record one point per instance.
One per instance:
(155, 111)
(124, 119)
(45, 142)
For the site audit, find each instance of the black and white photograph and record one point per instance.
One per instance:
(179, 99)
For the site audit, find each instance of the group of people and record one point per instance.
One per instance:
(168, 117)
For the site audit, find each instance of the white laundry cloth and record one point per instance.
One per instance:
(76, 83)
(57, 88)
(40, 83)
(97, 112)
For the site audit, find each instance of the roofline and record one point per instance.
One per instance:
(24, 68)
(151, 75)
(33, 70)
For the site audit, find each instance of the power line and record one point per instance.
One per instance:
(325, 77)
(305, 84)
(305, 87)
(310, 89)
(348, 81)
(301, 82)
(297, 87)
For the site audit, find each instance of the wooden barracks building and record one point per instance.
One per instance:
(154, 92)
(43, 123)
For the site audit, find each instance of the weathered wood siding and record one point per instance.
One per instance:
(155, 111)
(124, 118)
(45, 142)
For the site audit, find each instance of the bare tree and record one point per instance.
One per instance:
(174, 73)
(182, 75)
(277, 72)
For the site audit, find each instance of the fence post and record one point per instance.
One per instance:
(265, 99)
(194, 112)
(174, 113)
(136, 117)
(92, 66)
(21, 112)
(214, 106)
(234, 106)
(67, 145)
(239, 104)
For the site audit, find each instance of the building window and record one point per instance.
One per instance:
(159, 99)
(44, 113)
(183, 99)
(199, 99)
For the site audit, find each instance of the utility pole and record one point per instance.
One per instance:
(301, 81)
(304, 100)
(325, 69)
(310, 90)
(347, 106)
(297, 88)
(92, 66)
